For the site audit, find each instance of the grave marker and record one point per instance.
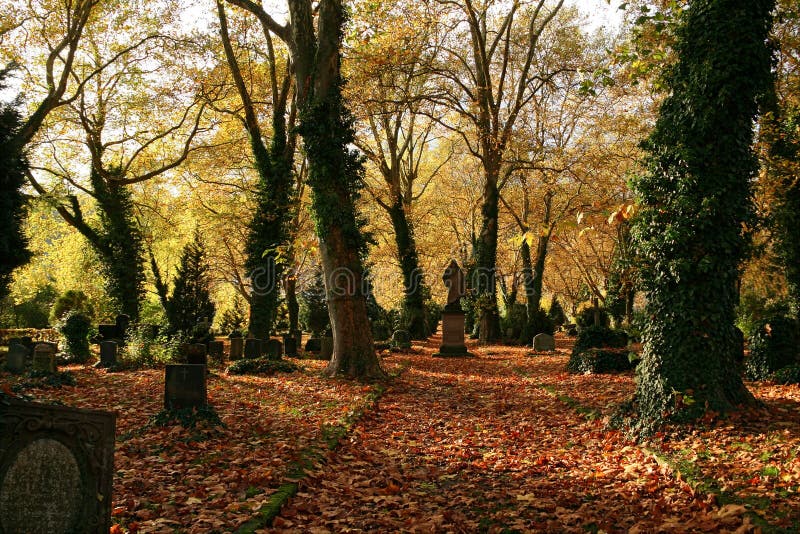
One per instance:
(196, 354)
(108, 354)
(252, 348)
(544, 342)
(15, 359)
(184, 386)
(44, 358)
(237, 348)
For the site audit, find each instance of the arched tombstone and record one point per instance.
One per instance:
(44, 358)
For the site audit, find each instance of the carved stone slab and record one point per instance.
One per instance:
(56, 468)
(184, 386)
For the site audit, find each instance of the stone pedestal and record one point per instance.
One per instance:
(453, 335)
(44, 358)
(237, 348)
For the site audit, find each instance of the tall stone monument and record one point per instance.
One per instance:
(453, 315)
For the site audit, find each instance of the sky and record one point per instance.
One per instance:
(601, 12)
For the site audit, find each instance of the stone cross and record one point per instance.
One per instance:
(453, 279)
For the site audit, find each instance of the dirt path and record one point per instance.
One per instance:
(467, 445)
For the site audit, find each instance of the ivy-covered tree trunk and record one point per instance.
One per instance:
(694, 200)
(485, 282)
(413, 286)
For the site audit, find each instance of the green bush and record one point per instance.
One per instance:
(787, 375)
(585, 318)
(522, 329)
(314, 307)
(754, 309)
(433, 314)
(514, 321)
(772, 347)
(76, 327)
(261, 366)
(142, 350)
(556, 313)
(71, 301)
(599, 337)
(598, 361)
(31, 313)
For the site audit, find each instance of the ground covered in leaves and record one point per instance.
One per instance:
(507, 441)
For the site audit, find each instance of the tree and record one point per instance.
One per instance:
(268, 233)
(13, 165)
(495, 79)
(190, 302)
(695, 198)
(334, 173)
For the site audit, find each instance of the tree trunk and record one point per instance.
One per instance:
(485, 282)
(290, 288)
(413, 285)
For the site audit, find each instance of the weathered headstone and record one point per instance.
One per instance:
(44, 358)
(326, 348)
(107, 332)
(216, 350)
(56, 468)
(453, 316)
(401, 339)
(108, 354)
(544, 342)
(290, 346)
(196, 354)
(252, 348)
(313, 344)
(184, 386)
(16, 357)
(274, 349)
(237, 348)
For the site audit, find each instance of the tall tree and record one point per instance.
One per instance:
(495, 79)
(695, 197)
(334, 173)
(13, 164)
(268, 233)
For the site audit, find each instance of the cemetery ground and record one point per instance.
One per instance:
(505, 442)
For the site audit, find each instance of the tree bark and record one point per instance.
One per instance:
(485, 282)
(414, 291)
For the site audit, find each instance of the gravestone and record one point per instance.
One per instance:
(237, 348)
(544, 342)
(184, 386)
(401, 339)
(274, 349)
(15, 340)
(252, 348)
(56, 468)
(108, 354)
(290, 346)
(216, 349)
(44, 358)
(298, 337)
(27, 342)
(326, 348)
(453, 319)
(16, 357)
(196, 354)
(313, 344)
(123, 322)
(107, 332)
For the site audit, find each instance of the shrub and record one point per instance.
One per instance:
(261, 366)
(142, 350)
(556, 313)
(522, 329)
(787, 375)
(585, 318)
(75, 327)
(599, 337)
(314, 306)
(772, 347)
(514, 321)
(71, 301)
(754, 309)
(433, 314)
(598, 361)
(233, 319)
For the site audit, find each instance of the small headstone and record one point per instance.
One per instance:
(314, 344)
(216, 349)
(56, 467)
(237, 348)
(107, 332)
(326, 348)
(15, 359)
(108, 354)
(544, 342)
(274, 349)
(252, 348)
(184, 386)
(401, 339)
(290, 346)
(44, 358)
(196, 354)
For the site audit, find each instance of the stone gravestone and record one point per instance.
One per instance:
(123, 322)
(56, 468)
(325, 348)
(401, 339)
(237, 348)
(452, 315)
(27, 342)
(216, 349)
(184, 386)
(290, 345)
(274, 349)
(544, 342)
(44, 358)
(313, 344)
(15, 359)
(108, 354)
(107, 332)
(252, 348)
(196, 354)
